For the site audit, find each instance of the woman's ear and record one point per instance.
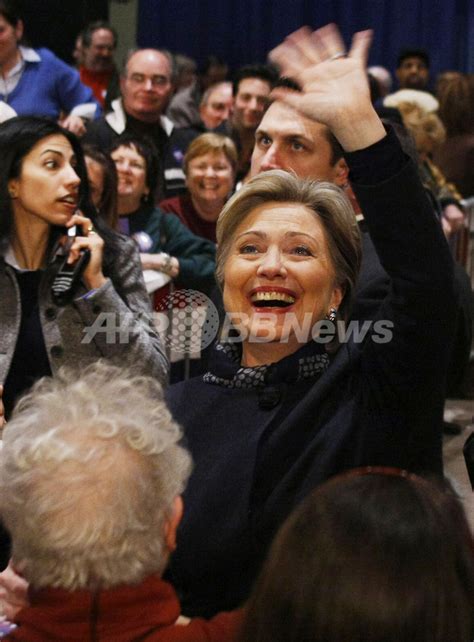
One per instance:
(337, 296)
(13, 188)
(172, 523)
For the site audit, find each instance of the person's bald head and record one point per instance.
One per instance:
(285, 139)
(147, 84)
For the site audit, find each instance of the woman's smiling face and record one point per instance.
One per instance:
(131, 172)
(279, 275)
(210, 177)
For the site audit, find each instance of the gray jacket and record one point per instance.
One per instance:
(105, 324)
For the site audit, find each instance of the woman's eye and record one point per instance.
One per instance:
(302, 250)
(248, 249)
(51, 164)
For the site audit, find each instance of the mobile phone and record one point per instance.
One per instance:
(68, 276)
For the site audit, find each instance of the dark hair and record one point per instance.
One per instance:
(210, 61)
(92, 27)
(413, 52)
(337, 151)
(263, 72)
(108, 202)
(147, 150)
(10, 12)
(378, 557)
(18, 136)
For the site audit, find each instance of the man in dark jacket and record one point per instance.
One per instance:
(147, 84)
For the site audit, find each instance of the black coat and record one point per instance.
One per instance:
(258, 452)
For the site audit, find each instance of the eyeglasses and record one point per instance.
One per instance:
(156, 81)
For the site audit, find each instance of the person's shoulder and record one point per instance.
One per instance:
(49, 57)
(184, 134)
(124, 242)
(173, 204)
(45, 54)
(183, 389)
(99, 133)
(224, 128)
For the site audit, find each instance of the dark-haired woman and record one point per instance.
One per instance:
(102, 177)
(43, 193)
(172, 248)
(376, 554)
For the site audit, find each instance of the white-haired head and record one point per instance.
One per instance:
(383, 77)
(89, 474)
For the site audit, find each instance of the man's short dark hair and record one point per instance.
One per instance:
(413, 52)
(91, 28)
(210, 61)
(263, 72)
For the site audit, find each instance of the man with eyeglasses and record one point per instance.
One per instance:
(147, 84)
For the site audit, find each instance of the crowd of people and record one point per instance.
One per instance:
(293, 489)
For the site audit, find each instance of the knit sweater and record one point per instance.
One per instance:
(48, 87)
(147, 611)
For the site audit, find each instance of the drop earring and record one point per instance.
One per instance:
(332, 315)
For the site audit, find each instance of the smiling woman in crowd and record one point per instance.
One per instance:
(210, 165)
(171, 247)
(282, 408)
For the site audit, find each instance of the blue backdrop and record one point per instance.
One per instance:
(243, 31)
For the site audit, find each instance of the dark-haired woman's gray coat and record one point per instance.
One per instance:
(113, 322)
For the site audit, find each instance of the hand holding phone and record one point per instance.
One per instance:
(69, 275)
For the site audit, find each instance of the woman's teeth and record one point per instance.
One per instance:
(278, 297)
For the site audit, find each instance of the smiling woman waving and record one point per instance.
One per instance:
(290, 398)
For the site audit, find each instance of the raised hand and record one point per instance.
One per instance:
(334, 84)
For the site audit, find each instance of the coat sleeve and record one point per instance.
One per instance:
(121, 325)
(404, 360)
(223, 627)
(69, 89)
(195, 254)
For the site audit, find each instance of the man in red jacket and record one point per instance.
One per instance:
(90, 481)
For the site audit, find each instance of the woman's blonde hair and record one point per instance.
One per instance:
(211, 143)
(426, 128)
(327, 202)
